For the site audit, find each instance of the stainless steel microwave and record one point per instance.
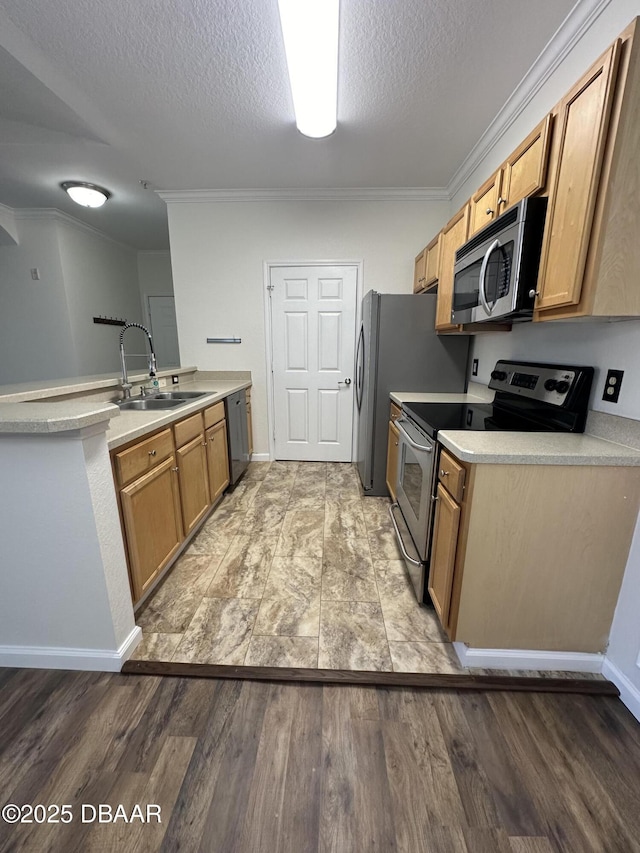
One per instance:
(496, 271)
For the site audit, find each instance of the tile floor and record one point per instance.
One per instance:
(296, 568)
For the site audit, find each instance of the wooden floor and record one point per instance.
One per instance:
(268, 767)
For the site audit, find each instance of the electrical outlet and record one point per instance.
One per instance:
(612, 386)
(474, 367)
(175, 380)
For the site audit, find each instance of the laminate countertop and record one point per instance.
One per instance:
(531, 448)
(34, 409)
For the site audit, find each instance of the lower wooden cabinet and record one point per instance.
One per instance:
(249, 422)
(194, 482)
(152, 523)
(531, 556)
(217, 459)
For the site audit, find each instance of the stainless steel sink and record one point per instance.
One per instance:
(179, 395)
(149, 404)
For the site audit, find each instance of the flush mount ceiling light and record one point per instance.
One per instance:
(88, 195)
(310, 31)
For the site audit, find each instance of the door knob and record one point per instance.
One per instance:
(344, 382)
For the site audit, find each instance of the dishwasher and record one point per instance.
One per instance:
(238, 435)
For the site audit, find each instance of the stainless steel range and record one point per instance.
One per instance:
(530, 397)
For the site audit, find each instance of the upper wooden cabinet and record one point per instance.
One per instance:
(419, 277)
(484, 204)
(583, 120)
(453, 235)
(425, 272)
(522, 174)
(591, 257)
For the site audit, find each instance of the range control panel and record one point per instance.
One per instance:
(545, 383)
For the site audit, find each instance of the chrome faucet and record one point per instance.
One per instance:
(125, 384)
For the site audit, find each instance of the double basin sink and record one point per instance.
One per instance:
(162, 400)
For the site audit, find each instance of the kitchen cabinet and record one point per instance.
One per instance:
(522, 174)
(591, 255)
(194, 482)
(453, 235)
(150, 507)
(392, 451)
(426, 266)
(530, 556)
(217, 458)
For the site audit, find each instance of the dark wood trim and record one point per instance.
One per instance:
(597, 687)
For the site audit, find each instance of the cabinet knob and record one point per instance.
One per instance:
(533, 293)
(397, 443)
(502, 200)
(152, 453)
(175, 469)
(489, 211)
(204, 443)
(444, 473)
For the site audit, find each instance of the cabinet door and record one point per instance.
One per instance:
(217, 459)
(443, 553)
(432, 262)
(193, 479)
(151, 514)
(582, 125)
(484, 204)
(249, 427)
(392, 459)
(454, 235)
(525, 171)
(419, 271)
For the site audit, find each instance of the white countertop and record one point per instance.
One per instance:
(19, 414)
(521, 448)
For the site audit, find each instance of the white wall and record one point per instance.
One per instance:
(154, 277)
(35, 329)
(218, 250)
(100, 279)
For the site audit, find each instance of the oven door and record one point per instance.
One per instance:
(415, 483)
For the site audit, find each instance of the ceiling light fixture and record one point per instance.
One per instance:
(310, 31)
(88, 195)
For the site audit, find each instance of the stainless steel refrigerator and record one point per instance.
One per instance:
(399, 350)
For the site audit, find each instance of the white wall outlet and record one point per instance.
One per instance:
(35, 273)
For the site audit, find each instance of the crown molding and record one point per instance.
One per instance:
(577, 22)
(35, 214)
(334, 194)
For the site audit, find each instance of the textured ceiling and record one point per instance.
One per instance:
(193, 94)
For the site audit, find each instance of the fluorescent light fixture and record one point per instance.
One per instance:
(88, 195)
(310, 31)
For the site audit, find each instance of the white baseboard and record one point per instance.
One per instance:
(260, 457)
(528, 659)
(94, 660)
(629, 693)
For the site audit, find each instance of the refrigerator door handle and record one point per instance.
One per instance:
(360, 368)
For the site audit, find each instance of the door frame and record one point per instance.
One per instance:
(268, 336)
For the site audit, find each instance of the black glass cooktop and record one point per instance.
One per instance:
(432, 417)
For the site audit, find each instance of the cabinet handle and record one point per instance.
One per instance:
(444, 473)
(489, 211)
(152, 453)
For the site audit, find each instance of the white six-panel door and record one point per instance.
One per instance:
(313, 325)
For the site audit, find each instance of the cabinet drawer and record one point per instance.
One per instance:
(188, 428)
(142, 457)
(214, 414)
(451, 474)
(396, 411)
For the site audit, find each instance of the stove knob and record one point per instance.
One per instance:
(550, 384)
(562, 387)
(499, 375)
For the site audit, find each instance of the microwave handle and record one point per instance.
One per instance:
(483, 274)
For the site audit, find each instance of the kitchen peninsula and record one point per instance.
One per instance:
(66, 599)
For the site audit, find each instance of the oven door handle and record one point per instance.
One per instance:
(425, 448)
(399, 537)
(483, 277)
